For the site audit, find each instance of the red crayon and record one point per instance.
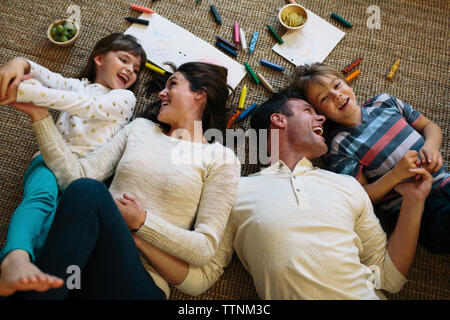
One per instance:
(142, 9)
(351, 66)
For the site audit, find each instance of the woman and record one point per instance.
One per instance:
(180, 207)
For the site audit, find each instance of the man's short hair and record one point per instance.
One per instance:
(277, 103)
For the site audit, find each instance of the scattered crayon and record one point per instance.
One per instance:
(393, 69)
(242, 97)
(142, 9)
(236, 33)
(246, 112)
(341, 20)
(154, 68)
(351, 66)
(253, 42)
(252, 73)
(265, 83)
(271, 65)
(136, 20)
(215, 14)
(353, 75)
(226, 48)
(227, 43)
(198, 1)
(275, 34)
(243, 41)
(233, 118)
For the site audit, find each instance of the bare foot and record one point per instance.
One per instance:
(19, 274)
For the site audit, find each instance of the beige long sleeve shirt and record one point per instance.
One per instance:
(306, 234)
(187, 188)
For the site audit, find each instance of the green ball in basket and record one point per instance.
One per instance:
(63, 32)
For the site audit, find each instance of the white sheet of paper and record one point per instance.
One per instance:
(165, 41)
(312, 43)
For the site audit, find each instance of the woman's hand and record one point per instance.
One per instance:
(11, 75)
(132, 211)
(36, 113)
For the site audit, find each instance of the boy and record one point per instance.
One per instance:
(378, 143)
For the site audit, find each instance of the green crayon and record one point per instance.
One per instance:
(252, 73)
(341, 20)
(275, 34)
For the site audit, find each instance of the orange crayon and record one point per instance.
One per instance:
(353, 75)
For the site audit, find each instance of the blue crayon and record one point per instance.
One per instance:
(216, 14)
(271, 65)
(246, 112)
(251, 48)
(224, 47)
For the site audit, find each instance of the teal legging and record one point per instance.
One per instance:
(32, 219)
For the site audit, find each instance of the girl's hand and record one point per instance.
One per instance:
(430, 159)
(131, 210)
(11, 75)
(407, 162)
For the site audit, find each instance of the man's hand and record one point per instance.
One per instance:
(131, 210)
(419, 188)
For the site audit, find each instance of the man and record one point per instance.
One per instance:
(303, 232)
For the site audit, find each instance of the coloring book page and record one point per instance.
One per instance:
(165, 41)
(312, 43)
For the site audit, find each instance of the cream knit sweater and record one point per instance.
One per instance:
(187, 188)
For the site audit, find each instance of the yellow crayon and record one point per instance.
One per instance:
(393, 69)
(242, 98)
(353, 75)
(152, 67)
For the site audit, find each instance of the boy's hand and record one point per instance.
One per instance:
(418, 189)
(430, 159)
(11, 74)
(402, 169)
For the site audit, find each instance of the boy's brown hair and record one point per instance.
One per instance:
(310, 73)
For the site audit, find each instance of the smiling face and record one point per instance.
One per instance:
(117, 69)
(304, 129)
(179, 102)
(334, 98)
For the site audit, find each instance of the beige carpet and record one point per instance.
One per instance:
(415, 31)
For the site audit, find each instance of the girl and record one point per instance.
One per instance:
(178, 206)
(93, 110)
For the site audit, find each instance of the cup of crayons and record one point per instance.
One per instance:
(63, 33)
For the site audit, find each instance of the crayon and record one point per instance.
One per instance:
(341, 20)
(198, 1)
(253, 42)
(233, 118)
(265, 83)
(227, 43)
(227, 49)
(142, 9)
(271, 65)
(243, 41)
(242, 97)
(136, 20)
(246, 112)
(154, 68)
(353, 75)
(215, 14)
(275, 34)
(236, 32)
(252, 73)
(393, 69)
(351, 66)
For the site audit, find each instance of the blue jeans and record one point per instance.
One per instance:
(89, 232)
(32, 219)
